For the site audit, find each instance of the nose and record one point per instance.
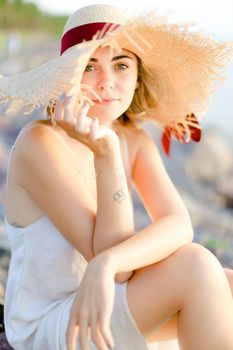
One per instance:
(105, 85)
(106, 81)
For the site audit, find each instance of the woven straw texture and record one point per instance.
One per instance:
(185, 66)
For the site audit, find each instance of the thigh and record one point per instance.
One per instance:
(156, 292)
(229, 274)
(166, 332)
(153, 295)
(169, 329)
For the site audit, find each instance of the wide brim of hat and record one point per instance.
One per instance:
(37, 87)
(184, 67)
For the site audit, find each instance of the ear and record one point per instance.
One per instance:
(136, 86)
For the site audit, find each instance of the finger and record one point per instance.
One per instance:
(73, 90)
(94, 129)
(103, 132)
(69, 105)
(106, 132)
(83, 333)
(104, 324)
(86, 129)
(76, 107)
(80, 121)
(59, 109)
(96, 335)
(71, 334)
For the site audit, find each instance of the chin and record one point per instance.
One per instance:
(106, 120)
(105, 115)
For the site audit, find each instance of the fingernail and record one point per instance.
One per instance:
(110, 345)
(62, 97)
(85, 104)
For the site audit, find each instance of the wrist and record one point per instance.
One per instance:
(109, 161)
(106, 261)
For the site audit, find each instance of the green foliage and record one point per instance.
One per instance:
(213, 243)
(27, 16)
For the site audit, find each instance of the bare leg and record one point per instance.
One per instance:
(192, 285)
(169, 330)
(229, 274)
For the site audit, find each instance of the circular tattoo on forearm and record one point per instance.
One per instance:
(119, 196)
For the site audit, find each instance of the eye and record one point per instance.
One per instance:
(121, 66)
(89, 68)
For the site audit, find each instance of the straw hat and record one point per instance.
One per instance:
(185, 66)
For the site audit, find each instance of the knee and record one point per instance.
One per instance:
(199, 262)
(229, 275)
(195, 251)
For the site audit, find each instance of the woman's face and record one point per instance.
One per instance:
(114, 79)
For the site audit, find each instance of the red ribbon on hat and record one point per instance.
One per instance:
(169, 130)
(85, 32)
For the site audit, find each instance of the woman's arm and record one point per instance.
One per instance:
(170, 230)
(150, 245)
(171, 227)
(47, 173)
(113, 203)
(114, 219)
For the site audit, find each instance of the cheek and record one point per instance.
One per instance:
(129, 88)
(130, 81)
(87, 79)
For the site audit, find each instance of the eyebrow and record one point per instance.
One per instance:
(115, 58)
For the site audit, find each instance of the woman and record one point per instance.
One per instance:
(78, 271)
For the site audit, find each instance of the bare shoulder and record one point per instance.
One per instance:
(34, 133)
(140, 140)
(40, 140)
(27, 140)
(49, 177)
(138, 136)
(38, 148)
(152, 180)
(30, 149)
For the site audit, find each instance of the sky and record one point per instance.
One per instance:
(213, 16)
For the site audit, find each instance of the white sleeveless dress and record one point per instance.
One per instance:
(45, 272)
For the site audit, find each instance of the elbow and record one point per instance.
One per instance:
(188, 233)
(183, 229)
(123, 276)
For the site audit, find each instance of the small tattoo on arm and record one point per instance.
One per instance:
(119, 196)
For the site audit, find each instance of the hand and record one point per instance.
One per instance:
(75, 121)
(92, 308)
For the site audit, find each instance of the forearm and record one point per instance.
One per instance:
(150, 245)
(114, 219)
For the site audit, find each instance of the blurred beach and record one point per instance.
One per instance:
(220, 112)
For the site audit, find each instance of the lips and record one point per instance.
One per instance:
(106, 100)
